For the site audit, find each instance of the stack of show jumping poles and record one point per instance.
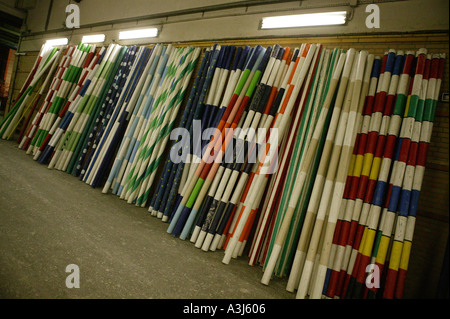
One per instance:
(309, 160)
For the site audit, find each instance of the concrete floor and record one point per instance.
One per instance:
(49, 219)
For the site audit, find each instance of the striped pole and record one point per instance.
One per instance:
(276, 223)
(307, 161)
(380, 190)
(61, 73)
(90, 63)
(279, 178)
(272, 105)
(68, 81)
(294, 141)
(43, 55)
(259, 121)
(136, 121)
(248, 121)
(83, 150)
(153, 136)
(56, 146)
(275, 226)
(182, 168)
(32, 104)
(10, 121)
(213, 103)
(405, 194)
(102, 114)
(234, 93)
(169, 172)
(371, 167)
(170, 181)
(371, 164)
(293, 233)
(326, 176)
(360, 139)
(372, 120)
(192, 157)
(90, 120)
(239, 216)
(27, 139)
(79, 155)
(151, 95)
(260, 180)
(107, 109)
(305, 135)
(385, 77)
(217, 170)
(252, 120)
(148, 144)
(95, 125)
(58, 80)
(399, 276)
(207, 175)
(233, 82)
(231, 116)
(43, 89)
(95, 107)
(121, 107)
(243, 172)
(229, 218)
(133, 179)
(175, 196)
(214, 89)
(187, 67)
(207, 210)
(93, 103)
(67, 112)
(401, 187)
(61, 150)
(246, 178)
(116, 126)
(365, 65)
(391, 153)
(163, 136)
(239, 84)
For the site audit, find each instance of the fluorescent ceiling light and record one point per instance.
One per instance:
(94, 38)
(140, 33)
(304, 20)
(56, 42)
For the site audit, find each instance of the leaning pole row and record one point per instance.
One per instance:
(308, 160)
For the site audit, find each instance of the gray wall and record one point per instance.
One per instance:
(184, 21)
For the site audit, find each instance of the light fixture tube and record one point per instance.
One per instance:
(56, 42)
(139, 33)
(304, 20)
(93, 38)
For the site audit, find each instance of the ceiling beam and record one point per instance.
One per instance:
(18, 13)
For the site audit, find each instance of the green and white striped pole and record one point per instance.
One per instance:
(84, 102)
(307, 162)
(11, 119)
(163, 137)
(165, 103)
(150, 115)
